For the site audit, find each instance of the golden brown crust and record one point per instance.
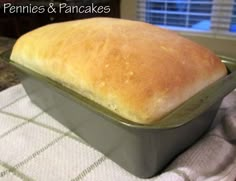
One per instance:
(138, 70)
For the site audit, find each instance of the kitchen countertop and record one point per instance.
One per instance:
(8, 76)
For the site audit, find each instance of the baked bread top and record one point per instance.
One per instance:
(137, 70)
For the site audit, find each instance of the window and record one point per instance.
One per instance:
(209, 16)
(233, 19)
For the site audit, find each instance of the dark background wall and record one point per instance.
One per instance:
(14, 25)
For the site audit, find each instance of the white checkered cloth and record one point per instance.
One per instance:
(33, 146)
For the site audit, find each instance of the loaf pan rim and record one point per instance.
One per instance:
(162, 124)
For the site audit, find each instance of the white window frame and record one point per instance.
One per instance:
(217, 10)
(221, 44)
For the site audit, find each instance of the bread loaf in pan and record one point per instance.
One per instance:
(139, 71)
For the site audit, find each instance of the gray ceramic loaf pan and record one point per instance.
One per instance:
(143, 150)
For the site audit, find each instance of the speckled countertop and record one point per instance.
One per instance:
(7, 74)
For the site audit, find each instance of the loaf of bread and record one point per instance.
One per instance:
(137, 70)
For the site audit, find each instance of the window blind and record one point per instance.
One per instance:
(209, 16)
